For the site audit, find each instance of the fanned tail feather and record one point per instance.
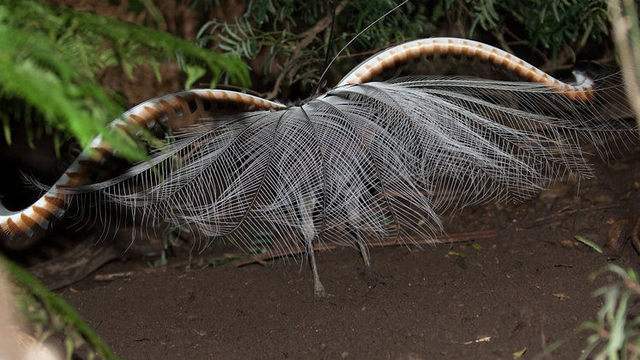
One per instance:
(384, 158)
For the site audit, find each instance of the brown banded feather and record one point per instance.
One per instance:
(165, 107)
(173, 101)
(456, 49)
(100, 152)
(103, 148)
(93, 155)
(183, 104)
(18, 227)
(438, 47)
(151, 111)
(139, 120)
(75, 178)
(53, 204)
(28, 221)
(469, 51)
(13, 228)
(497, 59)
(126, 128)
(176, 107)
(42, 212)
(41, 221)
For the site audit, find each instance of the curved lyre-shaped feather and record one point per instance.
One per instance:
(396, 55)
(23, 227)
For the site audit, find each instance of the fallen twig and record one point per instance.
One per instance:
(565, 212)
(454, 238)
(74, 265)
(478, 340)
(112, 276)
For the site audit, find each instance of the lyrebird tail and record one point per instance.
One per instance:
(385, 158)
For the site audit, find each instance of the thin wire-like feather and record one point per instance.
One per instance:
(385, 158)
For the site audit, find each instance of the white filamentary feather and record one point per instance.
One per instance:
(383, 158)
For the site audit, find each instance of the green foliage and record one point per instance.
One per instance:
(550, 24)
(50, 314)
(270, 30)
(51, 59)
(616, 330)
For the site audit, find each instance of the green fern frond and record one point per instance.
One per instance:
(51, 58)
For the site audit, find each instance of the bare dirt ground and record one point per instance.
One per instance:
(528, 289)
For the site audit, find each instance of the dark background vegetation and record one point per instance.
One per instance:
(90, 68)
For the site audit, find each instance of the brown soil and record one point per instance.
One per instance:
(527, 289)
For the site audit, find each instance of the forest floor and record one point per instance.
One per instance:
(528, 289)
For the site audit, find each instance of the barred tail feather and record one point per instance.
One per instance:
(19, 229)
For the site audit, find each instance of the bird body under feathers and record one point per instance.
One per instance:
(383, 158)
